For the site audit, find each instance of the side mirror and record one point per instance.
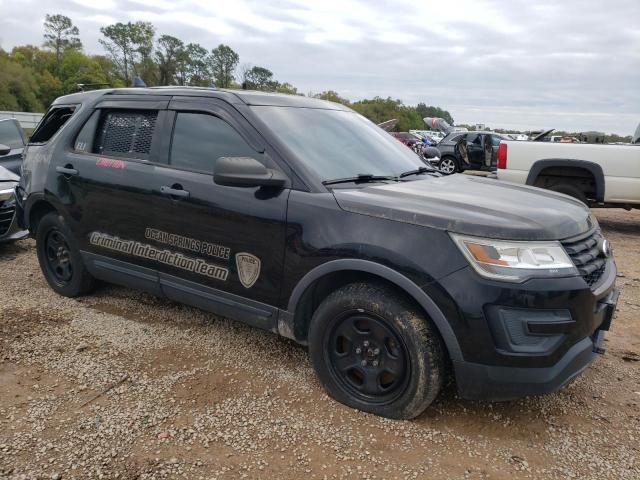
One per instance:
(246, 172)
(4, 150)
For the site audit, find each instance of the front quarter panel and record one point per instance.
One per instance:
(318, 231)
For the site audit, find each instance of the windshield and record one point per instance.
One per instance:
(338, 144)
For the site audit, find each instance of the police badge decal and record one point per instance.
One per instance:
(248, 268)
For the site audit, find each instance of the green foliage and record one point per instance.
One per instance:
(223, 61)
(332, 96)
(17, 86)
(258, 78)
(129, 45)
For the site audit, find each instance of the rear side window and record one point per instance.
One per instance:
(53, 121)
(10, 135)
(199, 139)
(125, 133)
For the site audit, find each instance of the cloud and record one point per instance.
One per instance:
(571, 65)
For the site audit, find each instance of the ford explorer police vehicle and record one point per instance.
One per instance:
(301, 217)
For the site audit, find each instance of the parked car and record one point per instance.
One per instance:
(461, 151)
(302, 217)
(9, 229)
(12, 136)
(409, 139)
(596, 174)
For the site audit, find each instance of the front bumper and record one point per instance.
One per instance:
(497, 383)
(9, 227)
(552, 331)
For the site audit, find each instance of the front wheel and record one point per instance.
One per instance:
(60, 259)
(448, 165)
(375, 351)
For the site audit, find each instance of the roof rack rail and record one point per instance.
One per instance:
(191, 87)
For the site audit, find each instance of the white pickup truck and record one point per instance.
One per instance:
(599, 175)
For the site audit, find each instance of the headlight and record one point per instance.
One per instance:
(514, 261)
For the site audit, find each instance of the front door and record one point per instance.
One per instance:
(225, 244)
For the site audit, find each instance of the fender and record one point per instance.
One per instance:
(594, 168)
(388, 274)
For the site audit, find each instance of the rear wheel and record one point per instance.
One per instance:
(60, 259)
(376, 352)
(570, 190)
(448, 165)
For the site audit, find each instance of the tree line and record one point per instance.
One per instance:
(31, 76)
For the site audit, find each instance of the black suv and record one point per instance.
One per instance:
(460, 151)
(301, 217)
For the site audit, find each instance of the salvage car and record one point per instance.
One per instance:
(301, 217)
(12, 136)
(460, 151)
(9, 229)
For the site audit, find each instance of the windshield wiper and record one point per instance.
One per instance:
(417, 171)
(361, 178)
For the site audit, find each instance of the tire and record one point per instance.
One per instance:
(569, 190)
(59, 258)
(448, 165)
(375, 351)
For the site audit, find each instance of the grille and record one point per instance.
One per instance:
(6, 216)
(587, 257)
(127, 134)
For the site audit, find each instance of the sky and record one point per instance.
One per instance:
(522, 64)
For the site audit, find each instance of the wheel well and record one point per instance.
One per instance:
(327, 284)
(578, 177)
(38, 210)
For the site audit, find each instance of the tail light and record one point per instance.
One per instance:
(502, 156)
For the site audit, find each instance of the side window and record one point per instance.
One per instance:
(10, 135)
(199, 139)
(473, 138)
(125, 133)
(51, 123)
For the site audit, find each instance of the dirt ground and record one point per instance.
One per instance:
(197, 396)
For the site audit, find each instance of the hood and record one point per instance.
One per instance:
(473, 206)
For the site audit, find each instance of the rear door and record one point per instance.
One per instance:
(227, 243)
(109, 178)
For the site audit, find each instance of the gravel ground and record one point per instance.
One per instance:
(190, 395)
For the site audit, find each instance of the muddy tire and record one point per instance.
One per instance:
(59, 258)
(375, 351)
(570, 190)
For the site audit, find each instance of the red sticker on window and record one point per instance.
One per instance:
(111, 163)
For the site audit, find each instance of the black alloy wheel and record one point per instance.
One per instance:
(375, 350)
(58, 257)
(367, 357)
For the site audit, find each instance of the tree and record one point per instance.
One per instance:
(223, 63)
(193, 66)
(258, 78)
(60, 34)
(129, 45)
(167, 52)
(332, 96)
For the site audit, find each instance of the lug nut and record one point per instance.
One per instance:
(375, 363)
(366, 343)
(376, 351)
(358, 350)
(363, 363)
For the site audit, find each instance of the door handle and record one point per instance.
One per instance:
(67, 170)
(174, 192)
